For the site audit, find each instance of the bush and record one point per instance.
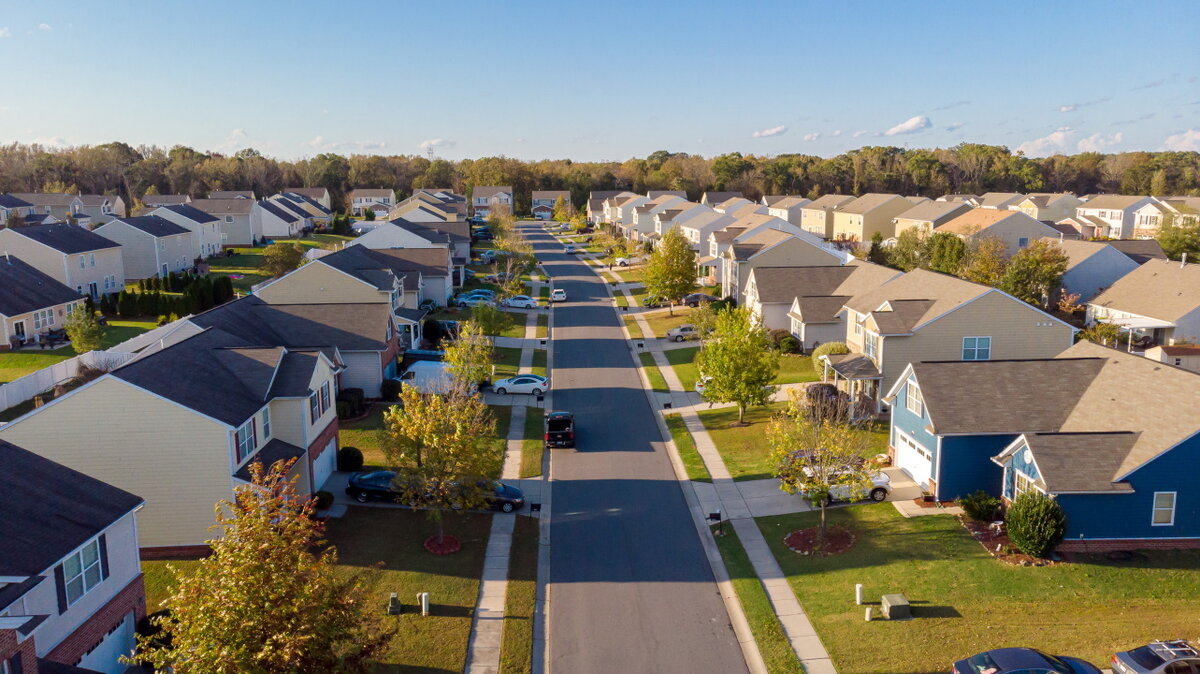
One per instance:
(777, 335)
(1036, 523)
(349, 459)
(324, 499)
(344, 409)
(389, 390)
(980, 506)
(827, 349)
(789, 344)
(354, 398)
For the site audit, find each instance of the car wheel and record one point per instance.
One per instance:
(362, 496)
(537, 391)
(506, 507)
(678, 338)
(878, 494)
(501, 390)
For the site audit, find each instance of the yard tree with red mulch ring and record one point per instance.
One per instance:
(440, 448)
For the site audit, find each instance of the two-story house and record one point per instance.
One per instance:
(789, 208)
(454, 236)
(645, 216)
(73, 256)
(61, 206)
(696, 224)
(543, 202)
(207, 237)
(774, 294)
(100, 208)
(276, 221)
(1046, 206)
(317, 194)
(860, 220)
(71, 592)
(363, 198)
(153, 201)
(235, 219)
(714, 198)
(928, 216)
(596, 200)
(180, 426)
(771, 242)
(150, 245)
(486, 200)
(446, 200)
(1157, 303)
(12, 206)
(816, 217)
(1112, 214)
(924, 315)
(310, 209)
(1092, 266)
(31, 303)
(299, 207)
(1014, 228)
(232, 194)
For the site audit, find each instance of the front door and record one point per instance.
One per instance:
(19, 329)
(93, 290)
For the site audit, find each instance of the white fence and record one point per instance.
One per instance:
(20, 390)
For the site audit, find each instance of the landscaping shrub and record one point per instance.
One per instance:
(353, 397)
(827, 349)
(389, 390)
(777, 335)
(324, 499)
(344, 410)
(349, 459)
(789, 344)
(1036, 523)
(980, 506)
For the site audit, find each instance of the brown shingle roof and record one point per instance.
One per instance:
(489, 191)
(977, 220)
(1075, 462)
(943, 293)
(867, 203)
(936, 212)
(1159, 289)
(828, 201)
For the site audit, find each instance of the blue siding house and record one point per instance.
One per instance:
(1122, 469)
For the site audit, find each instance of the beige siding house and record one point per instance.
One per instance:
(1157, 303)
(31, 303)
(871, 214)
(817, 217)
(1014, 228)
(772, 292)
(1047, 207)
(73, 256)
(928, 216)
(765, 246)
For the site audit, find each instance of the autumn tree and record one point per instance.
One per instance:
(946, 252)
(84, 332)
(490, 320)
(984, 261)
(671, 270)
(911, 250)
(469, 356)
(268, 599)
(1179, 238)
(738, 361)
(281, 258)
(562, 212)
(1035, 272)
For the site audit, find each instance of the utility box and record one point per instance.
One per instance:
(895, 607)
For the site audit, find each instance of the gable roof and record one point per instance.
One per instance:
(1160, 289)
(427, 261)
(1057, 456)
(935, 212)
(811, 283)
(1077, 251)
(278, 211)
(552, 194)
(310, 192)
(490, 191)
(654, 194)
(164, 199)
(231, 194)
(50, 510)
(24, 289)
(361, 263)
(303, 200)
(96, 199)
(155, 226)
(1113, 201)
(290, 205)
(64, 238)
(194, 214)
(978, 220)
(744, 249)
(224, 206)
(1139, 250)
(828, 201)
(45, 198)
(867, 203)
(370, 192)
(787, 202)
(347, 326)
(10, 201)
(999, 199)
(915, 298)
(718, 197)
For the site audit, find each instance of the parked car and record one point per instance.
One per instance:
(1022, 661)
(428, 305)
(623, 262)
(477, 292)
(881, 486)
(685, 331)
(696, 299)
(651, 301)
(483, 235)
(474, 301)
(1158, 657)
(558, 295)
(570, 248)
(521, 302)
(502, 277)
(560, 429)
(533, 384)
(701, 382)
(379, 486)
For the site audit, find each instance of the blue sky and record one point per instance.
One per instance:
(601, 80)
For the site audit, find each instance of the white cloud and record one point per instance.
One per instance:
(950, 106)
(320, 143)
(773, 131)
(1098, 141)
(912, 125)
(837, 133)
(858, 134)
(1064, 129)
(1182, 142)
(1046, 145)
(1066, 108)
(51, 141)
(436, 144)
(5, 32)
(812, 136)
(44, 26)
(956, 126)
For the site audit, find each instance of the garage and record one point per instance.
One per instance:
(914, 459)
(324, 464)
(105, 656)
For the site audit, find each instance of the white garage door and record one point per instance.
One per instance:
(324, 465)
(913, 459)
(105, 656)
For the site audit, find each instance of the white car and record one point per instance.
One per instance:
(623, 262)
(570, 248)
(521, 302)
(880, 487)
(558, 295)
(532, 384)
(701, 383)
(685, 331)
(474, 301)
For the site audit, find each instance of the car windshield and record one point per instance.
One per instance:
(983, 664)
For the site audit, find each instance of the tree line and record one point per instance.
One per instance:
(129, 172)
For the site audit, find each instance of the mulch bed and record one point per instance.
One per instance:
(922, 503)
(1007, 552)
(448, 546)
(838, 539)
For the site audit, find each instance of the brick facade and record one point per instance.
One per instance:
(10, 648)
(131, 599)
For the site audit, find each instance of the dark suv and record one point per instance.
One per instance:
(560, 429)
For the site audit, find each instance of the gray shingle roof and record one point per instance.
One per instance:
(935, 212)
(271, 453)
(151, 224)
(1160, 289)
(349, 327)
(489, 191)
(916, 298)
(867, 203)
(192, 213)
(1139, 250)
(46, 198)
(65, 238)
(24, 289)
(278, 211)
(9, 201)
(154, 200)
(1073, 462)
(224, 206)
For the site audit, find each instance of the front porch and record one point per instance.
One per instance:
(855, 375)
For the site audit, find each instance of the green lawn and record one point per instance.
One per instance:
(630, 274)
(773, 643)
(661, 321)
(964, 601)
(687, 449)
(631, 324)
(684, 363)
(657, 383)
(516, 647)
(746, 455)
(365, 434)
(507, 360)
(17, 364)
(543, 324)
(533, 443)
(544, 293)
(794, 369)
(539, 362)
(434, 643)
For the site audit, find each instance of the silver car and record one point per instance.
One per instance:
(1158, 657)
(686, 331)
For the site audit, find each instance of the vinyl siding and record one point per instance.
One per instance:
(363, 370)
(317, 283)
(175, 459)
(787, 253)
(964, 465)
(7, 323)
(1012, 230)
(1098, 271)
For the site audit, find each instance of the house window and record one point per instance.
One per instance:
(324, 397)
(245, 441)
(1022, 242)
(1021, 484)
(977, 348)
(92, 259)
(1164, 509)
(266, 423)
(229, 218)
(82, 262)
(912, 398)
(858, 323)
(871, 346)
(81, 571)
(314, 407)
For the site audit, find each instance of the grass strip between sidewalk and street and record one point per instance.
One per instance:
(635, 328)
(777, 651)
(516, 645)
(693, 463)
(543, 322)
(538, 366)
(657, 383)
(533, 443)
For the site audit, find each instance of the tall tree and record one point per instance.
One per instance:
(1035, 272)
(671, 270)
(1178, 238)
(264, 600)
(738, 361)
(469, 356)
(911, 250)
(946, 252)
(562, 213)
(985, 261)
(83, 331)
(281, 258)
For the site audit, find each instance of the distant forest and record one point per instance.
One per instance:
(117, 168)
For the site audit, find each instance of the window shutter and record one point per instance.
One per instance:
(60, 586)
(103, 556)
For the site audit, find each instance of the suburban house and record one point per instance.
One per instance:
(971, 200)
(363, 198)
(314, 212)
(181, 425)
(677, 214)
(150, 245)
(714, 198)
(1000, 200)
(153, 201)
(1157, 303)
(619, 210)
(100, 208)
(595, 203)
(277, 222)
(860, 220)
(238, 219)
(31, 303)
(654, 194)
(817, 216)
(928, 216)
(73, 256)
(206, 232)
(61, 206)
(719, 241)
(1140, 251)
(771, 242)
(1186, 356)
(423, 208)
(72, 591)
(1112, 214)
(645, 220)
(789, 208)
(317, 194)
(696, 224)
(485, 200)
(1047, 207)
(1122, 473)
(400, 233)
(544, 200)
(10, 206)
(297, 207)
(1014, 228)
(924, 315)
(445, 199)
(773, 292)
(1092, 266)
(233, 194)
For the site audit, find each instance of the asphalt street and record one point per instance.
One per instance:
(630, 588)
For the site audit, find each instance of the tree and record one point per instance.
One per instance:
(816, 453)
(264, 600)
(671, 270)
(1035, 272)
(1101, 332)
(281, 258)
(83, 330)
(562, 212)
(877, 253)
(946, 252)
(911, 250)
(1176, 239)
(490, 320)
(984, 262)
(441, 450)
(369, 215)
(469, 356)
(739, 362)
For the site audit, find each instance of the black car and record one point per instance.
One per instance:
(696, 299)
(377, 485)
(560, 429)
(1022, 661)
